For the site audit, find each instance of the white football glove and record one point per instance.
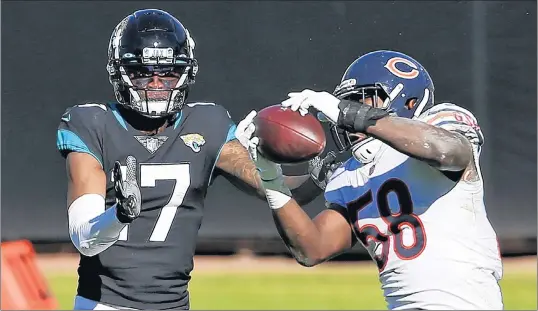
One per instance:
(276, 191)
(128, 198)
(324, 102)
(244, 131)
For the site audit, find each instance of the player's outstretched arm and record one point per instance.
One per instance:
(445, 150)
(92, 227)
(312, 242)
(237, 166)
(233, 163)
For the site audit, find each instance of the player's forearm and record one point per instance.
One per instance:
(440, 148)
(299, 233)
(303, 189)
(92, 228)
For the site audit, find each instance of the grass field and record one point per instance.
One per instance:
(341, 287)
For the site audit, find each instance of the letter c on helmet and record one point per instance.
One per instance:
(391, 66)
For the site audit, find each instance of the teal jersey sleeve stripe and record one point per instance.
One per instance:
(67, 140)
(229, 137)
(118, 116)
(179, 116)
(231, 133)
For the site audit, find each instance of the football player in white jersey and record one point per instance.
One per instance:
(412, 193)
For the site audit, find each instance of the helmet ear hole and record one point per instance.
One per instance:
(410, 103)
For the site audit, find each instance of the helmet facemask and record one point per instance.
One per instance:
(374, 94)
(155, 91)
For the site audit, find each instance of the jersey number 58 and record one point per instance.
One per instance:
(395, 222)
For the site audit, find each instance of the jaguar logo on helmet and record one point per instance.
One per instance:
(391, 66)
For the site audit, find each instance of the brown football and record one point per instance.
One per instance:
(286, 137)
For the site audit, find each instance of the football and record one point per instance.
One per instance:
(286, 137)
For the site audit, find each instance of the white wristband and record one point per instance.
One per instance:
(276, 199)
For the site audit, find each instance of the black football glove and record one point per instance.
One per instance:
(128, 198)
(321, 169)
(356, 117)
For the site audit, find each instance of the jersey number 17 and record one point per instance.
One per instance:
(149, 174)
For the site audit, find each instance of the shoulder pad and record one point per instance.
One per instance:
(216, 110)
(200, 104)
(87, 108)
(92, 104)
(87, 113)
(450, 111)
(81, 130)
(452, 117)
(447, 107)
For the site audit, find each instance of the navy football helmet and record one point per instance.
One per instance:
(402, 84)
(145, 44)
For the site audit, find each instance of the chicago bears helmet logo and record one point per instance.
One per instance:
(391, 66)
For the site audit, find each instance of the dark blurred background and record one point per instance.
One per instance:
(481, 55)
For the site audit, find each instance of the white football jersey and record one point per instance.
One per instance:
(430, 236)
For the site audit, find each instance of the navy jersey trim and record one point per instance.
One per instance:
(69, 141)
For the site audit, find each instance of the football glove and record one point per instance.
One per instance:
(128, 198)
(321, 170)
(323, 102)
(270, 173)
(349, 115)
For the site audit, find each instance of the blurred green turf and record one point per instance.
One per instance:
(318, 289)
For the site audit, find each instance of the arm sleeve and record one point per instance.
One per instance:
(80, 130)
(92, 228)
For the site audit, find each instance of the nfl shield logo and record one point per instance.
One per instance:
(151, 143)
